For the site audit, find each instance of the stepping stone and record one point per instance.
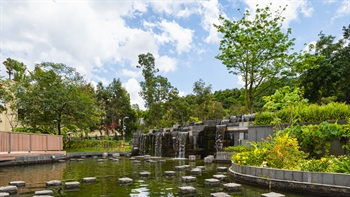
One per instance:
(53, 183)
(80, 159)
(272, 194)
(89, 179)
(219, 194)
(83, 157)
(208, 160)
(232, 187)
(9, 189)
(196, 171)
(95, 157)
(4, 194)
(187, 166)
(145, 174)
(104, 155)
(147, 157)
(211, 182)
(72, 159)
(151, 161)
(201, 167)
(189, 179)
(125, 180)
(18, 183)
(132, 158)
(72, 185)
(222, 169)
(115, 155)
(162, 160)
(169, 173)
(44, 192)
(136, 161)
(192, 157)
(221, 177)
(62, 161)
(187, 190)
(179, 168)
(101, 160)
(114, 159)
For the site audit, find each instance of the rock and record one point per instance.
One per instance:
(147, 157)
(132, 158)
(232, 187)
(187, 190)
(115, 155)
(114, 159)
(187, 166)
(222, 169)
(136, 161)
(89, 179)
(192, 157)
(179, 168)
(189, 179)
(145, 174)
(101, 160)
(18, 183)
(9, 189)
(201, 167)
(4, 194)
(219, 194)
(169, 173)
(62, 161)
(221, 177)
(125, 180)
(212, 182)
(72, 185)
(272, 194)
(208, 160)
(53, 183)
(44, 192)
(196, 171)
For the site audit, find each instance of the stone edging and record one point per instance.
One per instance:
(314, 182)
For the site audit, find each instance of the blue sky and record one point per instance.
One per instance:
(102, 39)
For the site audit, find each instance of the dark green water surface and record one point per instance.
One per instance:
(108, 172)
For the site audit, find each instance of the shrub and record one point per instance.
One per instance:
(238, 149)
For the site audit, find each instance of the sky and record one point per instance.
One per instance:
(103, 38)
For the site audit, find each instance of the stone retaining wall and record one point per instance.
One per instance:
(315, 182)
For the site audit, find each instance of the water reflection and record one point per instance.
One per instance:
(109, 171)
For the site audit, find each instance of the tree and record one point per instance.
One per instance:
(156, 90)
(256, 48)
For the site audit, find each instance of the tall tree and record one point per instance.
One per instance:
(256, 48)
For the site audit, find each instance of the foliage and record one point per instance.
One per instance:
(256, 48)
(228, 97)
(307, 113)
(288, 99)
(238, 149)
(339, 164)
(316, 139)
(281, 152)
(79, 144)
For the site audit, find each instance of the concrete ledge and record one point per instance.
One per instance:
(308, 182)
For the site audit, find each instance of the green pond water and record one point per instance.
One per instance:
(108, 173)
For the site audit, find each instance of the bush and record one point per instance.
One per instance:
(238, 149)
(76, 144)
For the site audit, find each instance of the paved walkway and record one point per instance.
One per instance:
(5, 156)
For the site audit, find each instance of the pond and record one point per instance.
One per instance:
(108, 172)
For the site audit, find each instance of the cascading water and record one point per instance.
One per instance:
(182, 136)
(158, 145)
(142, 144)
(219, 137)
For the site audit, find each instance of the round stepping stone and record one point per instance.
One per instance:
(53, 183)
(44, 192)
(201, 167)
(89, 179)
(115, 155)
(101, 160)
(62, 161)
(95, 157)
(72, 185)
(18, 183)
(208, 160)
(219, 194)
(179, 168)
(272, 194)
(114, 159)
(232, 187)
(136, 161)
(132, 158)
(187, 166)
(161, 160)
(125, 180)
(145, 174)
(4, 194)
(187, 190)
(192, 157)
(9, 189)
(72, 159)
(188, 179)
(196, 171)
(222, 169)
(147, 157)
(169, 173)
(80, 159)
(104, 155)
(221, 177)
(212, 182)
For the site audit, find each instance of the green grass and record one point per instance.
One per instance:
(119, 149)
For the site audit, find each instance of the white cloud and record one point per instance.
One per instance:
(133, 88)
(240, 80)
(181, 9)
(307, 47)
(343, 10)
(130, 73)
(294, 8)
(165, 64)
(210, 15)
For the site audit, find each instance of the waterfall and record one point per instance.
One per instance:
(142, 146)
(182, 136)
(219, 137)
(158, 145)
